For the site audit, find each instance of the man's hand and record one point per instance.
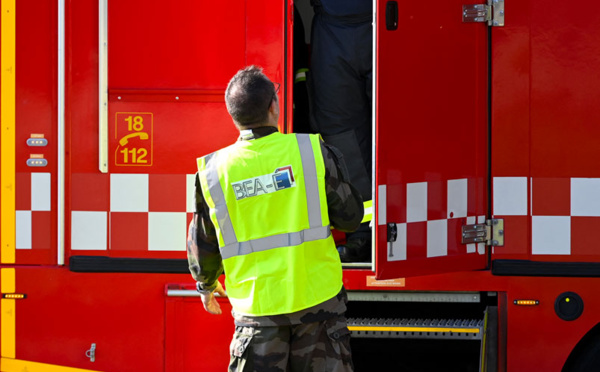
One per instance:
(211, 305)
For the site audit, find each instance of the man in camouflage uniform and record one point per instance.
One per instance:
(312, 339)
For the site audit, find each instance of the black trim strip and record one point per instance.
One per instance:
(102, 264)
(533, 268)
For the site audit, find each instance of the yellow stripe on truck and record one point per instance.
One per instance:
(14, 365)
(7, 313)
(7, 144)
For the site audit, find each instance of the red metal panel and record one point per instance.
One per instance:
(565, 137)
(135, 326)
(195, 339)
(169, 65)
(564, 84)
(431, 129)
(180, 132)
(183, 44)
(544, 110)
(123, 314)
(287, 97)
(36, 87)
(82, 90)
(510, 94)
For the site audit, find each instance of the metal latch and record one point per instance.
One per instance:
(490, 233)
(392, 232)
(91, 353)
(492, 13)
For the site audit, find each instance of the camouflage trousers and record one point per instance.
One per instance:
(311, 347)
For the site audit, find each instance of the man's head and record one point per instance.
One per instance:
(251, 99)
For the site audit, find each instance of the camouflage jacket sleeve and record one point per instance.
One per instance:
(203, 254)
(344, 202)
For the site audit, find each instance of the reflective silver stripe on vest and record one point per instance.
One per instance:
(311, 182)
(275, 241)
(234, 248)
(216, 192)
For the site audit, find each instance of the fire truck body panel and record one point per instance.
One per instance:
(431, 130)
(459, 139)
(543, 136)
(134, 324)
(35, 109)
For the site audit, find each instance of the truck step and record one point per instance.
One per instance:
(451, 329)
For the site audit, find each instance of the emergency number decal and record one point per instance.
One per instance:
(281, 179)
(133, 131)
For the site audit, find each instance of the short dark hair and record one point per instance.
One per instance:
(248, 96)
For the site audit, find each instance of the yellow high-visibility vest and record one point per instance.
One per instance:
(268, 203)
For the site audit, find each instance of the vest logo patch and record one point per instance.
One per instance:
(281, 179)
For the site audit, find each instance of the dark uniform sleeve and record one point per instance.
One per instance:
(345, 203)
(204, 258)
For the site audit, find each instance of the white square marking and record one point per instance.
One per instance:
(416, 202)
(167, 231)
(190, 190)
(471, 248)
(457, 198)
(129, 192)
(24, 232)
(40, 191)
(510, 196)
(382, 204)
(551, 235)
(481, 246)
(437, 238)
(89, 230)
(585, 197)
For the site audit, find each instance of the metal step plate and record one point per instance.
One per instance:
(450, 329)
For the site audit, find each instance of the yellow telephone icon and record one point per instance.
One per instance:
(123, 141)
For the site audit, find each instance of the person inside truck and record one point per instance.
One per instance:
(264, 207)
(340, 83)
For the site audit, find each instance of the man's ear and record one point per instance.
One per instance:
(274, 106)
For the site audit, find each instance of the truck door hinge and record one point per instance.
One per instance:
(491, 233)
(492, 13)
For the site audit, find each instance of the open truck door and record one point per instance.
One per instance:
(431, 130)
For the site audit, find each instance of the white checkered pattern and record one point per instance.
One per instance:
(560, 211)
(551, 216)
(130, 194)
(41, 196)
(437, 233)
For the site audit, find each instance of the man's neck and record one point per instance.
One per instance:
(258, 132)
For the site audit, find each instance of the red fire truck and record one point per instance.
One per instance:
(485, 181)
